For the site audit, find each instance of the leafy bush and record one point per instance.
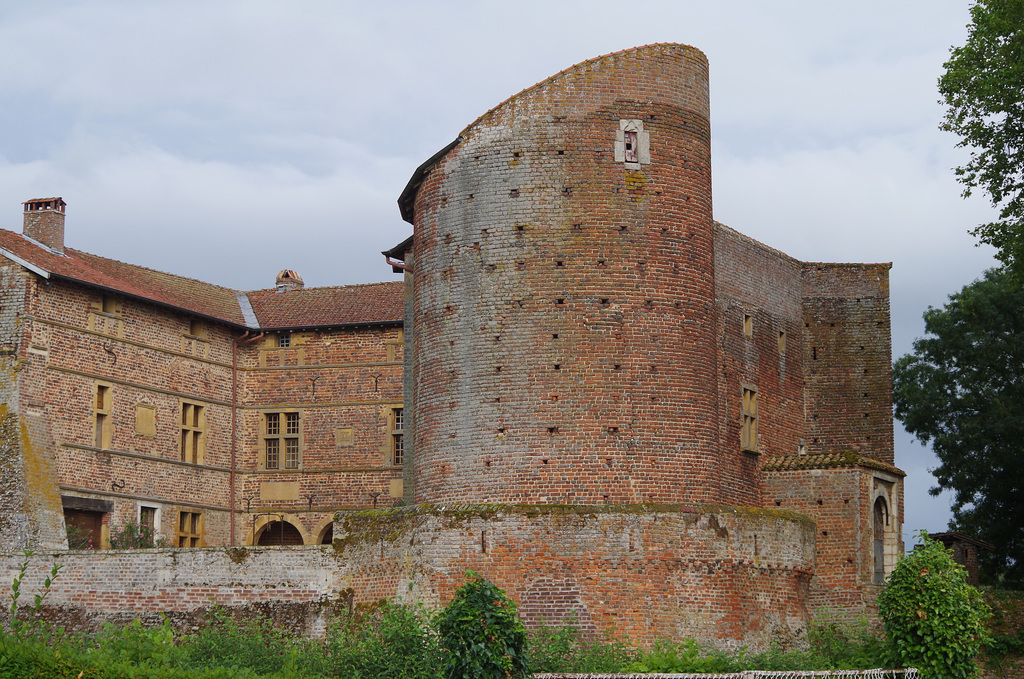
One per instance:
(134, 535)
(79, 538)
(483, 636)
(685, 657)
(934, 620)
(254, 645)
(393, 641)
(564, 650)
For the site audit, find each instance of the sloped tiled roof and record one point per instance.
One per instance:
(845, 458)
(346, 305)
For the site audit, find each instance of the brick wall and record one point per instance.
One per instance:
(848, 359)
(66, 340)
(564, 317)
(717, 574)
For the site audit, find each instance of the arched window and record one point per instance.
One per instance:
(279, 534)
(880, 526)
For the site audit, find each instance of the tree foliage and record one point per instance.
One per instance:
(962, 390)
(983, 88)
(483, 636)
(933, 619)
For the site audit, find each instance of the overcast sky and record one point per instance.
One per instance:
(229, 140)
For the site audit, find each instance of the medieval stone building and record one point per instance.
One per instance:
(583, 333)
(215, 416)
(614, 406)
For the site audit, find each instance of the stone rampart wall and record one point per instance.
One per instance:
(733, 576)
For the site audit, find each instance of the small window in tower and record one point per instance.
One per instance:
(782, 341)
(748, 326)
(284, 339)
(630, 143)
(748, 421)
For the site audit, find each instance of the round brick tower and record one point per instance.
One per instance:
(563, 307)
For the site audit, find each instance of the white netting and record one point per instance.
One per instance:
(905, 673)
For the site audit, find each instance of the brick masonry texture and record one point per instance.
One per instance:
(579, 344)
(713, 573)
(584, 332)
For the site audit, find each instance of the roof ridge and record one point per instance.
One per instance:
(324, 287)
(144, 268)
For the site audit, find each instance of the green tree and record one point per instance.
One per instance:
(483, 636)
(962, 390)
(933, 619)
(983, 88)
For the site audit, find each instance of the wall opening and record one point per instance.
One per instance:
(881, 527)
(279, 534)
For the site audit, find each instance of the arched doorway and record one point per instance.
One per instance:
(279, 534)
(880, 526)
(327, 537)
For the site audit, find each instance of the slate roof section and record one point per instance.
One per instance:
(368, 304)
(845, 458)
(345, 305)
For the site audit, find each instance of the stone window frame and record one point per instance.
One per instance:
(396, 435)
(284, 340)
(281, 436)
(145, 411)
(190, 529)
(103, 414)
(749, 418)
(193, 428)
(885, 489)
(142, 509)
(748, 325)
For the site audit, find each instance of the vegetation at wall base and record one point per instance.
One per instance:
(393, 640)
(482, 634)
(934, 620)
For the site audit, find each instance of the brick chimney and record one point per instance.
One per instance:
(44, 222)
(288, 280)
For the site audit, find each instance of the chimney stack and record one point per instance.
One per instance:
(288, 280)
(44, 222)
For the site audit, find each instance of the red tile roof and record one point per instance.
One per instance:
(845, 458)
(346, 305)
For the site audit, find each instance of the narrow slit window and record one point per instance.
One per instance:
(748, 421)
(397, 436)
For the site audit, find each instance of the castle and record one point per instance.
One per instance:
(589, 390)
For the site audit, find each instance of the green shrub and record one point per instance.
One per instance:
(483, 636)
(254, 645)
(933, 619)
(133, 535)
(685, 657)
(564, 650)
(391, 642)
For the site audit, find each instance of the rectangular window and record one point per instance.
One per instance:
(101, 412)
(748, 423)
(284, 339)
(782, 341)
(108, 304)
(748, 326)
(397, 436)
(147, 517)
(190, 529)
(197, 328)
(193, 432)
(282, 433)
